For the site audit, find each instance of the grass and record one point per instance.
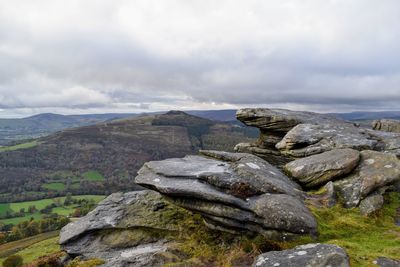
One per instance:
(54, 186)
(4, 207)
(18, 220)
(19, 146)
(364, 238)
(11, 248)
(94, 176)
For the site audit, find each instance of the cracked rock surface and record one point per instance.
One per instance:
(233, 192)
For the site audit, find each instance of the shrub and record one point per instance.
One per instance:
(13, 261)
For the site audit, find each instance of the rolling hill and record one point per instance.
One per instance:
(103, 158)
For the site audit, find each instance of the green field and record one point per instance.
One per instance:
(19, 146)
(4, 207)
(31, 248)
(54, 186)
(93, 176)
(41, 204)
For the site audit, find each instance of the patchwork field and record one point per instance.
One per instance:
(41, 204)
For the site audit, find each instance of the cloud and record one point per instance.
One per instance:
(126, 56)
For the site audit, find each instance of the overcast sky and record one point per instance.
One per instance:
(95, 56)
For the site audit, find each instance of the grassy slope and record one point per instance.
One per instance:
(54, 186)
(16, 246)
(93, 176)
(19, 146)
(364, 238)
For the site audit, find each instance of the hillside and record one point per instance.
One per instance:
(12, 130)
(104, 158)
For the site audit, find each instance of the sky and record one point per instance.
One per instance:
(97, 56)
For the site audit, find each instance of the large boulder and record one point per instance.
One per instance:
(310, 255)
(375, 171)
(386, 125)
(273, 125)
(321, 168)
(125, 229)
(233, 192)
(309, 139)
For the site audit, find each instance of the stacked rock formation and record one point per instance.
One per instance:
(386, 125)
(362, 162)
(233, 191)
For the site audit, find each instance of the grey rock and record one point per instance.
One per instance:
(371, 204)
(328, 197)
(386, 262)
(310, 255)
(279, 120)
(235, 191)
(309, 139)
(386, 125)
(376, 170)
(286, 135)
(125, 229)
(321, 168)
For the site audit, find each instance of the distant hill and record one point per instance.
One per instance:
(216, 115)
(104, 157)
(12, 130)
(362, 115)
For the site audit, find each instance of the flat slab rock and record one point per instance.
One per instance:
(376, 170)
(321, 168)
(311, 255)
(233, 191)
(122, 230)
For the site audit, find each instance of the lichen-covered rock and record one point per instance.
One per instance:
(125, 229)
(311, 255)
(309, 139)
(286, 135)
(234, 191)
(321, 168)
(371, 204)
(376, 170)
(273, 125)
(386, 262)
(279, 120)
(386, 125)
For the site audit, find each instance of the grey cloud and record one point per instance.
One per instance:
(137, 55)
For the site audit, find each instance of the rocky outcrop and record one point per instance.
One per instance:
(386, 125)
(233, 192)
(126, 229)
(375, 171)
(286, 135)
(273, 125)
(312, 255)
(322, 168)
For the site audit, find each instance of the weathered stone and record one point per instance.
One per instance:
(371, 204)
(232, 190)
(125, 229)
(386, 262)
(319, 169)
(328, 197)
(309, 139)
(279, 120)
(376, 170)
(312, 255)
(386, 125)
